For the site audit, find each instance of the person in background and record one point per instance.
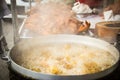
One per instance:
(4, 72)
(91, 3)
(115, 7)
(112, 11)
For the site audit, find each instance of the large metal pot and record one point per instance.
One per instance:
(25, 43)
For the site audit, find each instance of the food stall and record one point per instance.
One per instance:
(51, 29)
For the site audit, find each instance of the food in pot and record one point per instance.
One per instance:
(84, 27)
(65, 59)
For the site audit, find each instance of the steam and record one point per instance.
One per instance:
(52, 18)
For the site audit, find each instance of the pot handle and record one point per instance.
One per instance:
(4, 49)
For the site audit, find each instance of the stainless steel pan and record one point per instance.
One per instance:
(26, 43)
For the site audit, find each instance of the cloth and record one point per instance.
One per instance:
(109, 16)
(4, 10)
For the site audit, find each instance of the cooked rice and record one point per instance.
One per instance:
(66, 59)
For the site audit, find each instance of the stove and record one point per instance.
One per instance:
(115, 75)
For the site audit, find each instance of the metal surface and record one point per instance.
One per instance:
(14, 20)
(30, 3)
(62, 39)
